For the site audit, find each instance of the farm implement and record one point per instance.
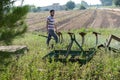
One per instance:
(82, 56)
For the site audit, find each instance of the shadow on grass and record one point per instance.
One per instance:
(5, 60)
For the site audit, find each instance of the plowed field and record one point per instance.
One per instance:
(67, 20)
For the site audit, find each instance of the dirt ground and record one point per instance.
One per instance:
(67, 20)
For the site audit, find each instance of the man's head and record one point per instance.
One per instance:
(52, 12)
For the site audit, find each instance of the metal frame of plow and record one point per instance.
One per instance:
(107, 45)
(110, 39)
(73, 39)
(81, 56)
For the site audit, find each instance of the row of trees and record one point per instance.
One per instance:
(106, 2)
(110, 2)
(117, 2)
(70, 5)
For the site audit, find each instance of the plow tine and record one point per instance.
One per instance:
(83, 37)
(60, 37)
(72, 36)
(96, 35)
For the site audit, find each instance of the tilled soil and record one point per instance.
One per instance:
(67, 20)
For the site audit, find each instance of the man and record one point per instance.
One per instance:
(51, 28)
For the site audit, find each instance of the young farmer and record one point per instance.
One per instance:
(51, 28)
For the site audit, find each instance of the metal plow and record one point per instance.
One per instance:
(80, 55)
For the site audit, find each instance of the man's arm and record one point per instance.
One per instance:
(55, 28)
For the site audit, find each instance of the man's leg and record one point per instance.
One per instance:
(56, 38)
(54, 35)
(48, 39)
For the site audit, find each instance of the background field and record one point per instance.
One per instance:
(69, 20)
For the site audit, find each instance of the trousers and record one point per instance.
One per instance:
(51, 33)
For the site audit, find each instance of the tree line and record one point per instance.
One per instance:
(110, 2)
(70, 5)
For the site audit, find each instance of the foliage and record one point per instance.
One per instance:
(82, 7)
(70, 5)
(106, 2)
(85, 4)
(11, 20)
(117, 2)
(34, 9)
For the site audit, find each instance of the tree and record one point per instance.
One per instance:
(46, 9)
(22, 2)
(117, 2)
(70, 5)
(106, 2)
(11, 20)
(82, 7)
(38, 9)
(85, 4)
(34, 9)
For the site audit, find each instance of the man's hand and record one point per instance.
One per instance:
(56, 31)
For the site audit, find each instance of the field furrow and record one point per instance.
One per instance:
(67, 20)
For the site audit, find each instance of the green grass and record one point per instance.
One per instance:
(30, 66)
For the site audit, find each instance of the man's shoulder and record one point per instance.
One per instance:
(48, 17)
